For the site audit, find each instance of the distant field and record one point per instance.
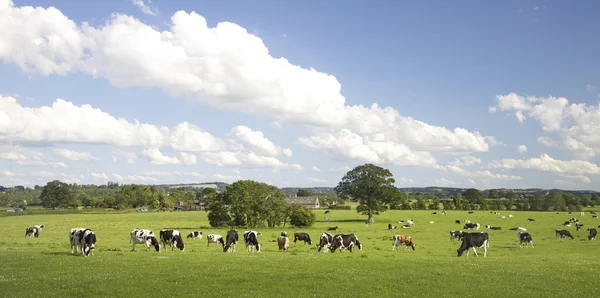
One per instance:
(44, 267)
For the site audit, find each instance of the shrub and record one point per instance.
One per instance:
(301, 216)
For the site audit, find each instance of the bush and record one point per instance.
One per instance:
(300, 216)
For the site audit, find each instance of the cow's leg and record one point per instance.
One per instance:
(133, 248)
(475, 251)
(531, 244)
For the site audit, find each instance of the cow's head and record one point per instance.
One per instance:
(155, 243)
(460, 251)
(258, 245)
(90, 244)
(178, 242)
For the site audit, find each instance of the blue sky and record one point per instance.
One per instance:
(468, 93)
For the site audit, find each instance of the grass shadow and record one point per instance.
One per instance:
(57, 253)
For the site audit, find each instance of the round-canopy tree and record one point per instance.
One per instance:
(372, 186)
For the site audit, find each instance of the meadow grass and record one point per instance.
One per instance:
(45, 267)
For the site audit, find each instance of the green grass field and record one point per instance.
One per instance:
(44, 266)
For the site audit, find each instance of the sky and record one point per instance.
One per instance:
(483, 94)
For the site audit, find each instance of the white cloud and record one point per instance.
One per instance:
(317, 180)
(548, 164)
(74, 155)
(582, 178)
(403, 181)
(287, 152)
(480, 174)
(123, 156)
(26, 157)
(444, 182)
(228, 178)
(316, 169)
(578, 125)
(255, 139)
(195, 61)
(251, 160)
(5, 173)
(465, 161)
(522, 148)
(144, 7)
(158, 158)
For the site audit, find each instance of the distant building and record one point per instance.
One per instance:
(309, 202)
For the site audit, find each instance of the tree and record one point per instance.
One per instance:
(250, 200)
(56, 194)
(472, 195)
(305, 193)
(372, 186)
(300, 216)
(217, 213)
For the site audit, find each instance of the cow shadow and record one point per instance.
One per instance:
(58, 253)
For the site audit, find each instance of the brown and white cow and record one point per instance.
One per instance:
(403, 239)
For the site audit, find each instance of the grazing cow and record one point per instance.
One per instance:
(526, 238)
(456, 234)
(283, 242)
(195, 235)
(324, 241)
(32, 232)
(403, 239)
(593, 212)
(390, 227)
(566, 224)
(457, 221)
(142, 236)
(433, 212)
(471, 226)
(582, 213)
(578, 226)
(332, 228)
(493, 228)
(410, 222)
(518, 229)
(510, 215)
(173, 238)
(594, 216)
(470, 212)
(473, 240)
(531, 219)
(232, 239)
(84, 238)
(467, 221)
(563, 234)
(326, 212)
(593, 234)
(251, 239)
(39, 227)
(214, 238)
(345, 241)
(302, 237)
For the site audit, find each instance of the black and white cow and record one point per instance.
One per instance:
(251, 240)
(324, 241)
(345, 241)
(493, 228)
(593, 234)
(39, 227)
(214, 238)
(456, 234)
(231, 240)
(32, 232)
(526, 238)
(143, 236)
(471, 226)
(173, 238)
(302, 237)
(84, 238)
(195, 235)
(578, 226)
(563, 234)
(457, 221)
(390, 227)
(473, 240)
(531, 219)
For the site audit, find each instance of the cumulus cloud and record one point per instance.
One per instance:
(26, 157)
(522, 148)
(204, 63)
(145, 8)
(480, 174)
(74, 155)
(548, 164)
(577, 125)
(120, 156)
(158, 158)
(465, 161)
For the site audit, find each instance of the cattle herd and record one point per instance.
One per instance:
(85, 239)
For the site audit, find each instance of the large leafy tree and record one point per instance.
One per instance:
(372, 186)
(252, 203)
(56, 194)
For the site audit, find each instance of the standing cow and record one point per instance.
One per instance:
(173, 238)
(251, 240)
(83, 238)
(324, 241)
(32, 232)
(403, 239)
(232, 239)
(302, 237)
(143, 236)
(526, 238)
(345, 241)
(283, 242)
(473, 240)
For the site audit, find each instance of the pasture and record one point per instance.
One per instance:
(45, 267)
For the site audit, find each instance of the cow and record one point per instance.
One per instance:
(518, 229)
(531, 219)
(410, 222)
(526, 238)
(32, 232)
(231, 240)
(142, 236)
(406, 226)
(563, 234)
(403, 239)
(433, 213)
(467, 221)
(471, 226)
(581, 213)
(456, 234)
(332, 228)
(302, 237)
(593, 233)
(566, 224)
(283, 242)
(390, 227)
(214, 238)
(493, 228)
(594, 216)
(345, 241)
(195, 235)
(327, 211)
(324, 241)
(251, 240)
(473, 240)
(173, 238)
(84, 238)
(470, 212)
(39, 227)
(578, 226)
(457, 221)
